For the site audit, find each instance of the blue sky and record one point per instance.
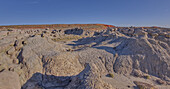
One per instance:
(114, 12)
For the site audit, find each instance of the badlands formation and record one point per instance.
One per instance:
(84, 57)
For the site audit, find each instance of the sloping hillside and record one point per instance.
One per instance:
(84, 57)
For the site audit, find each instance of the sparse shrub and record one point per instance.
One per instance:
(7, 33)
(147, 76)
(9, 29)
(111, 75)
(69, 49)
(53, 39)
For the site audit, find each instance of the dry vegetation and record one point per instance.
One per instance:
(59, 26)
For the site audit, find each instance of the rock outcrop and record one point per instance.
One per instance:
(75, 58)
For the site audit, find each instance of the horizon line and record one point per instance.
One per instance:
(122, 25)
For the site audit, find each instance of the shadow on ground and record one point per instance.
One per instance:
(39, 81)
(44, 81)
(96, 42)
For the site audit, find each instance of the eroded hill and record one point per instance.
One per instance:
(87, 57)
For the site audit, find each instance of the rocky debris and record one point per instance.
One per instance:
(142, 85)
(62, 64)
(75, 31)
(137, 73)
(74, 58)
(89, 78)
(159, 81)
(139, 32)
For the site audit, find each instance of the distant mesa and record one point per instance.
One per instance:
(52, 26)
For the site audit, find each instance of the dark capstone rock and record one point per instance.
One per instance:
(75, 31)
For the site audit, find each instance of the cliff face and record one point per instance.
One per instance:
(83, 58)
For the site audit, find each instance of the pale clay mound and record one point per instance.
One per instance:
(113, 58)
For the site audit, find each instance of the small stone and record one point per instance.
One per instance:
(154, 34)
(15, 61)
(11, 51)
(137, 73)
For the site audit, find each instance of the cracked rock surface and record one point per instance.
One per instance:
(77, 58)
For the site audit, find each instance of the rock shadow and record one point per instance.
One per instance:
(74, 31)
(106, 48)
(95, 42)
(19, 57)
(43, 81)
(88, 40)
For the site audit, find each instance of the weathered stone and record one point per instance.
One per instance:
(11, 51)
(139, 32)
(9, 80)
(80, 59)
(137, 73)
(142, 85)
(159, 81)
(154, 34)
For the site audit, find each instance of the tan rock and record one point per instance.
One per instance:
(9, 80)
(142, 85)
(11, 51)
(161, 82)
(154, 34)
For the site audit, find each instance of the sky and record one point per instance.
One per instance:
(113, 12)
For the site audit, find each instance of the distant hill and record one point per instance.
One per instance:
(60, 26)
